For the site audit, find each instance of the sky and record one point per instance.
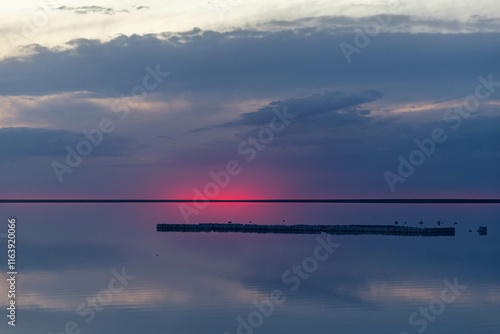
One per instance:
(243, 99)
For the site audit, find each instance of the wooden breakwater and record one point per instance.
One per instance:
(309, 229)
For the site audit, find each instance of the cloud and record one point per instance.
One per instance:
(250, 63)
(309, 106)
(19, 143)
(388, 23)
(92, 9)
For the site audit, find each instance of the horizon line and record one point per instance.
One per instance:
(290, 200)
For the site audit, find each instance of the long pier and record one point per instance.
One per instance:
(309, 229)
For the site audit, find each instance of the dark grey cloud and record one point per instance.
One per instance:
(309, 106)
(92, 9)
(18, 143)
(255, 63)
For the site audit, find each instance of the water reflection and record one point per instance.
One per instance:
(203, 282)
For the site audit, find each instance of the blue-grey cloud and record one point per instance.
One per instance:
(255, 63)
(311, 105)
(18, 143)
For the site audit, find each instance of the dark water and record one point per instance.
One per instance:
(69, 258)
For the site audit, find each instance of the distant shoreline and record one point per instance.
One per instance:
(311, 201)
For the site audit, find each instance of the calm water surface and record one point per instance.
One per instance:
(70, 255)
